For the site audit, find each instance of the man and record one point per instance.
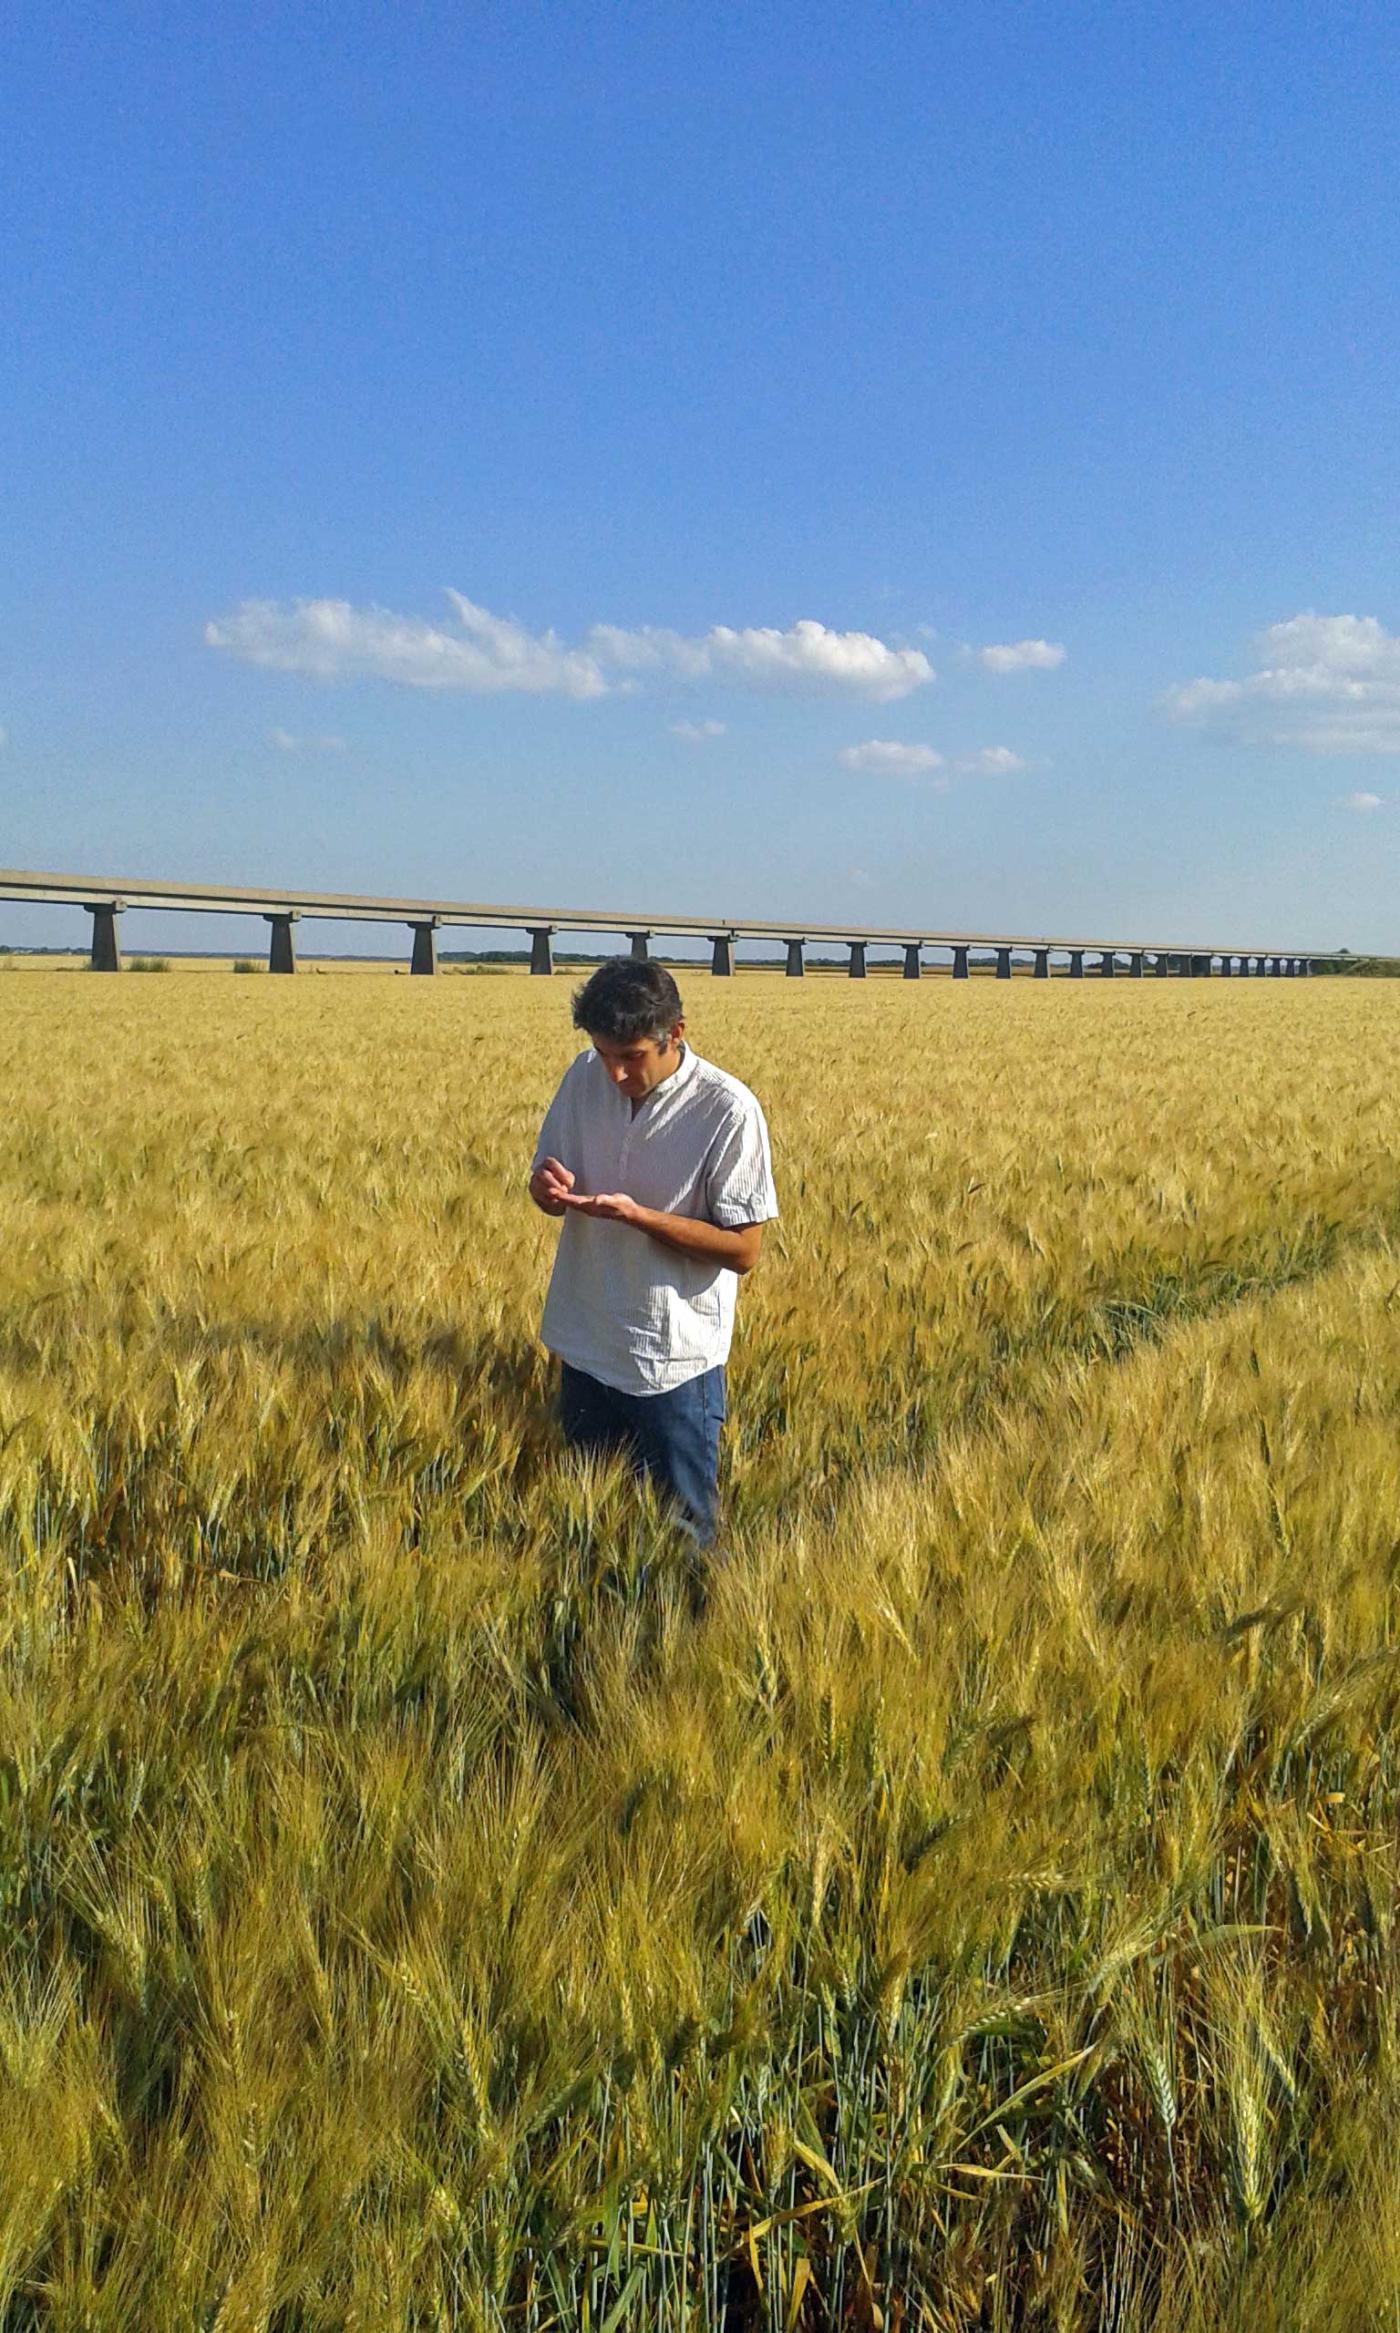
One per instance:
(659, 1165)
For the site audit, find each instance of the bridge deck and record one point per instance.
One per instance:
(336, 906)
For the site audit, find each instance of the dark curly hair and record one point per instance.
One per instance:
(627, 1000)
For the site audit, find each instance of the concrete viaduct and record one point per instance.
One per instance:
(107, 901)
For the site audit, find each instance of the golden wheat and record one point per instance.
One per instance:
(982, 1916)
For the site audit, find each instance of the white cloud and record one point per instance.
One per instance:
(1324, 685)
(285, 742)
(806, 656)
(328, 639)
(993, 761)
(698, 732)
(890, 759)
(1022, 656)
(1361, 802)
(484, 654)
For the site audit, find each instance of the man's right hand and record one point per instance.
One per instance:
(549, 1185)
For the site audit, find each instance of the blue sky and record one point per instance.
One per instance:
(655, 336)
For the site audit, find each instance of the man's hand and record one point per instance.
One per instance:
(550, 1185)
(608, 1206)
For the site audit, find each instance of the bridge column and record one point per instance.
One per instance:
(960, 963)
(857, 963)
(1205, 966)
(106, 954)
(1271, 967)
(282, 946)
(722, 956)
(1135, 965)
(796, 968)
(1227, 966)
(424, 945)
(1108, 964)
(542, 949)
(913, 967)
(1003, 963)
(1161, 966)
(1042, 964)
(640, 947)
(1076, 963)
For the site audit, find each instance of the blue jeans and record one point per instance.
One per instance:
(672, 1437)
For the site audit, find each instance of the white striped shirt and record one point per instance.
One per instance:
(623, 1307)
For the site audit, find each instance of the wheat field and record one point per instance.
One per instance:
(981, 1914)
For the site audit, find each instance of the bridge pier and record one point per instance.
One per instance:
(1108, 964)
(960, 963)
(424, 946)
(796, 967)
(282, 946)
(1076, 963)
(1003, 963)
(1161, 966)
(1227, 966)
(1135, 965)
(542, 950)
(913, 967)
(640, 946)
(856, 967)
(1042, 964)
(106, 953)
(722, 956)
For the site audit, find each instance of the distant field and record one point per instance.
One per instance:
(982, 1916)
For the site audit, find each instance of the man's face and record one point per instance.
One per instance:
(635, 1069)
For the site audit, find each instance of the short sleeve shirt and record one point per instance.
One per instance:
(623, 1307)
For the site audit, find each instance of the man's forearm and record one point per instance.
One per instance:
(696, 1238)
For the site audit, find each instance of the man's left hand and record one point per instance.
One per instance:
(609, 1206)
